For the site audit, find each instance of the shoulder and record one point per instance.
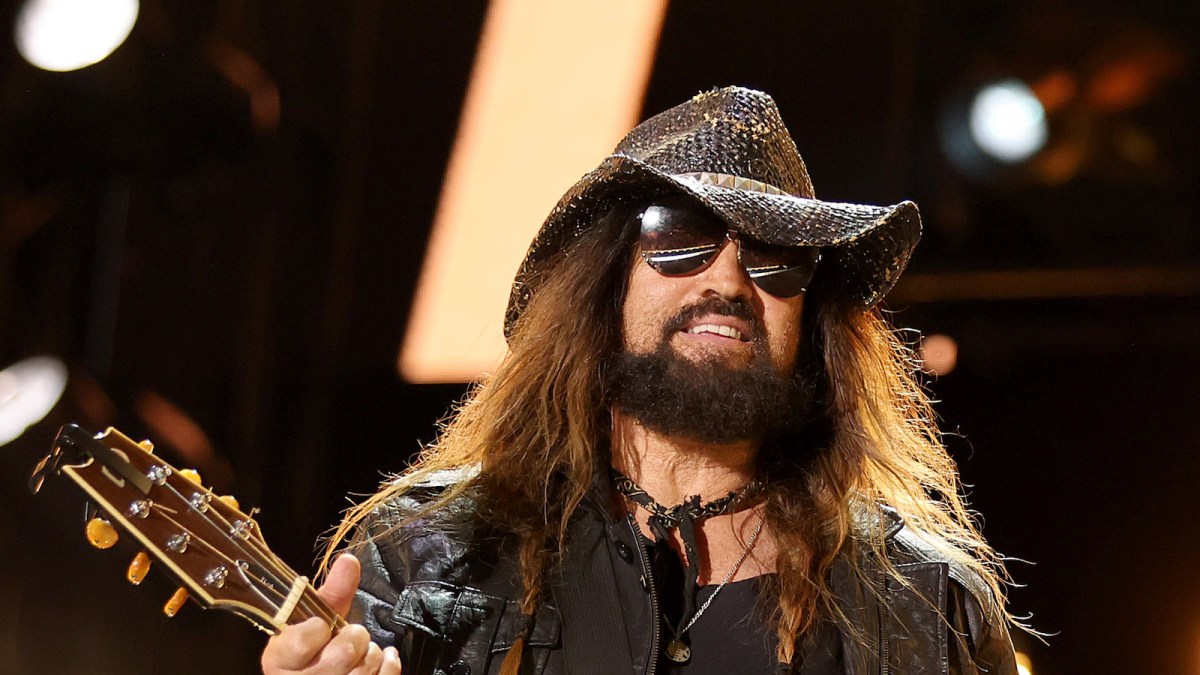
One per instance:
(437, 586)
(915, 562)
(417, 522)
(979, 630)
(909, 545)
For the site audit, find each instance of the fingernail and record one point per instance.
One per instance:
(391, 654)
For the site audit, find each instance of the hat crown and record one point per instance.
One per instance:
(734, 131)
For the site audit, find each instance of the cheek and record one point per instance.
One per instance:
(641, 326)
(786, 330)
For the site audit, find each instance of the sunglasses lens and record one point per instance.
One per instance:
(782, 271)
(682, 240)
(678, 241)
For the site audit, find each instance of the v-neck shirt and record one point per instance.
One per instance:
(732, 635)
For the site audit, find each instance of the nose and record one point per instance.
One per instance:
(725, 275)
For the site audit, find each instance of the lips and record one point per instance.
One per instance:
(713, 318)
(717, 329)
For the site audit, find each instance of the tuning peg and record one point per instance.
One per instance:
(101, 533)
(177, 599)
(146, 445)
(230, 500)
(138, 568)
(192, 475)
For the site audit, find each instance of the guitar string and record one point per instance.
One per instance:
(223, 526)
(314, 609)
(195, 539)
(309, 599)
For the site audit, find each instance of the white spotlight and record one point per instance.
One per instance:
(62, 35)
(28, 391)
(1008, 122)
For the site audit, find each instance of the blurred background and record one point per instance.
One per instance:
(214, 215)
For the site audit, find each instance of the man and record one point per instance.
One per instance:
(704, 452)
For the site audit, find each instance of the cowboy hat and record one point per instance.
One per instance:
(730, 150)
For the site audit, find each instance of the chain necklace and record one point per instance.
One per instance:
(679, 652)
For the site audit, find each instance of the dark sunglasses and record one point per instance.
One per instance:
(682, 240)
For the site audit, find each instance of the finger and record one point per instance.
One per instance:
(296, 646)
(391, 662)
(370, 661)
(344, 652)
(340, 583)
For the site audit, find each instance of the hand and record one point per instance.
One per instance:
(311, 648)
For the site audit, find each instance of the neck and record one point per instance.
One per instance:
(672, 468)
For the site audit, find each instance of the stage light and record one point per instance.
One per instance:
(62, 35)
(554, 87)
(29, 390)
(1008, 122)
(1024, 664)
(938, 354)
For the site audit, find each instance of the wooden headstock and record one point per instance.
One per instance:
(214, 549)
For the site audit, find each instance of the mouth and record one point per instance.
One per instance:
(717, 322)
(725, 330)
(720, 330)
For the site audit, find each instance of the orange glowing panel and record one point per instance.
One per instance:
(555, 86)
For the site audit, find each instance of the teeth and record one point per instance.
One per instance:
(727, 331)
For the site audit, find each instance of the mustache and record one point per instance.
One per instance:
(736, 308)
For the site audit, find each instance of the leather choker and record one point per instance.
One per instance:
(684, 517)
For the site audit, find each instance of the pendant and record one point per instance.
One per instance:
(678, 652)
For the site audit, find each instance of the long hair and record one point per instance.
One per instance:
(876, 443)
(531, 437)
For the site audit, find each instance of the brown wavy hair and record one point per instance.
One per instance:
(531, 436)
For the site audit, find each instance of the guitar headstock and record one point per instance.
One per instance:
(214, 549)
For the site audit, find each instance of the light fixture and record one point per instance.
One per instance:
(993, 129)
(63, 35)
(29, 389)
(1008, 122)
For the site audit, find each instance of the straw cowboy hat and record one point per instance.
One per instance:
(730, 150)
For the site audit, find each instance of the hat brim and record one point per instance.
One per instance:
(864, 248)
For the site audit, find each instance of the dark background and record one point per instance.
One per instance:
(258, 276)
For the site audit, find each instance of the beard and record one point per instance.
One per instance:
(708, 399)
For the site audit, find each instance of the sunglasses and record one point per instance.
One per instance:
(680, 241)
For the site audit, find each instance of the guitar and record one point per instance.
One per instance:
(206, 542)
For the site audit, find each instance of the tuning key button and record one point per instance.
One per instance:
(200, 500)
(177, 543)
(177, 599)
(158, 474)
(242, 528)
(101, 533)
(147, 446)
(230, 500)
(140, 508)
(138, 568)
(191, 475)
(216, 577)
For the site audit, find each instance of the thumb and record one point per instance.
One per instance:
(340, 583)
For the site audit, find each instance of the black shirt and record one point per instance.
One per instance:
(732, 635)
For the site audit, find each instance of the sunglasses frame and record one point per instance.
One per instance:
(708, 253)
